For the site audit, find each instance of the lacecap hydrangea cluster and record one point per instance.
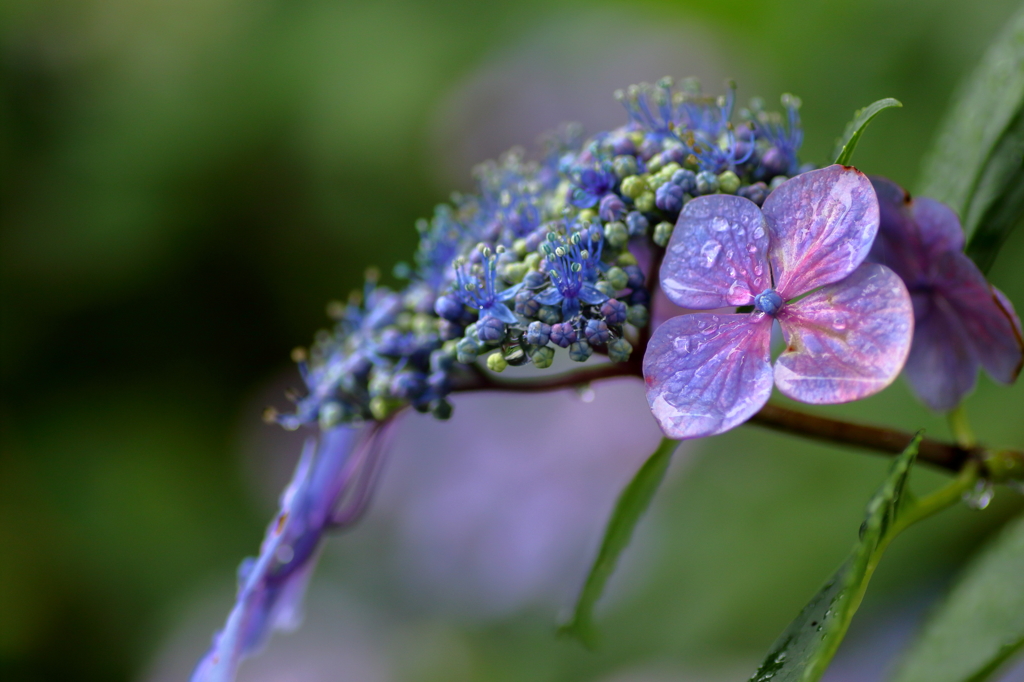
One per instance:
(542, 256)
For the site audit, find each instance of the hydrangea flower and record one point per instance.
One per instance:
(961, 321)
(480, 291)
(329, 489)
(798, 260)
(572, 268)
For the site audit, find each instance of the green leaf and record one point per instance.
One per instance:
(631, 505)
(848, 142)
(805, 649)
(998, 203)
(981, 623)
(975, 162)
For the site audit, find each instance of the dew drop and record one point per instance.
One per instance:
(710, 252)
(751, 248)
(759, 232)
(284, 554)
(719, 224)
(839, 325)
(980, 496)
(585, 392)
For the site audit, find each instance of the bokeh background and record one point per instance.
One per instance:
(187, 182)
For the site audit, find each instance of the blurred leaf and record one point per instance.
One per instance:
(805, 649)
(631, 505)
(998, 204)
(975, 161)
(981, 624)
(848, 142)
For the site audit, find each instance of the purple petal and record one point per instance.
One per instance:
(846, 340)
(272, 586)
(986, 315)
(717, 256)
(822, 224)
(708, 373)
(912, 234)
(549, 296)
(942, 367)
(591, 295)
(500, 311)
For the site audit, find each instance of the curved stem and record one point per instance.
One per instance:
(949, 456)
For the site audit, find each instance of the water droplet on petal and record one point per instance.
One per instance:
(719, 224)
(710, 252)
(586, 393)
(759, 232)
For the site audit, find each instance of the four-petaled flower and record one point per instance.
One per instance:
(480, 290)
(799, 260)
(573, 267)
(961, 322)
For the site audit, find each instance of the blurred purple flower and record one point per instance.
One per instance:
(847, 337)
(961, 321)
(330, 489)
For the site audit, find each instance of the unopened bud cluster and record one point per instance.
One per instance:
(548, 255)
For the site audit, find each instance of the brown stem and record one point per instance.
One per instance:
(948, 456)
(890, 441)
(479, 380)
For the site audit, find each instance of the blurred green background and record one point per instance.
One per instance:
(186, 183)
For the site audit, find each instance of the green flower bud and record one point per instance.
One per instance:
(606, 288)
(496, 363)
(549, 314)
(466, 351)
(624, 165)
(588, 215)
(616, 234)
(776, 181)
(514, 272)
(633, 186)
(617, 277)
(580, 351)
(543, 357)
(638, 315)
(442, 409)
(728, 182)
(331, 414)
(619, 350)
(626, 258)
(662, 233)
(519, 248)
(381, 407)
(645, 202)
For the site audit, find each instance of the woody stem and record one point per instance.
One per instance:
(881, 440)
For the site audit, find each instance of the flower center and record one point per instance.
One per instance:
(768, 302)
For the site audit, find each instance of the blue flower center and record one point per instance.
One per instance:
(768, 302)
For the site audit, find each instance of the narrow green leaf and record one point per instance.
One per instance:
(998, 203)
(848, 142)
(981, 623)
(807, 646)
(968, 166)
(631, 505)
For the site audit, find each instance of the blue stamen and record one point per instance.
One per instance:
(768, 302)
